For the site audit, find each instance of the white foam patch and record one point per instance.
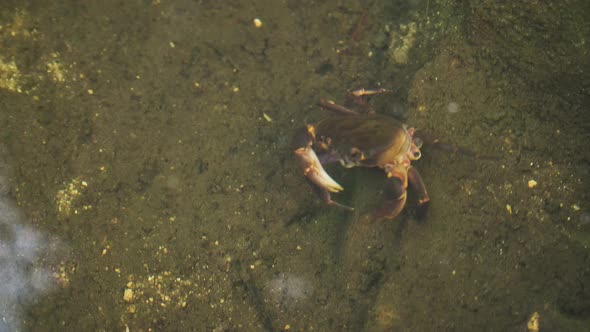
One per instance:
(287, 289)
(453, 107)
(23, 277)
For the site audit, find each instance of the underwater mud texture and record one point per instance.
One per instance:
(154, 140)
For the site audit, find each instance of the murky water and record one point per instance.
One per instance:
(147, 178)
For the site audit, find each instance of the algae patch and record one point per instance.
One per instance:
(10, 76)
(17, 74)
(55, 69)
(401, 42)
(67, 197)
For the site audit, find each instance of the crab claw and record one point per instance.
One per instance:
(313, 170)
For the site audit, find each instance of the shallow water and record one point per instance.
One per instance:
(147, 179)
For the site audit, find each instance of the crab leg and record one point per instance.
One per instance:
(366, 92)
(433, 142)
(415, 181)
(338, 109)
(396, 198)
(327, 198)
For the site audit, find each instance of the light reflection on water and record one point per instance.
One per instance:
(22, 249)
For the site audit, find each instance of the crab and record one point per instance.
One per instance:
(367, 140)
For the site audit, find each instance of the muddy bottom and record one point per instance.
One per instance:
(148, 182)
